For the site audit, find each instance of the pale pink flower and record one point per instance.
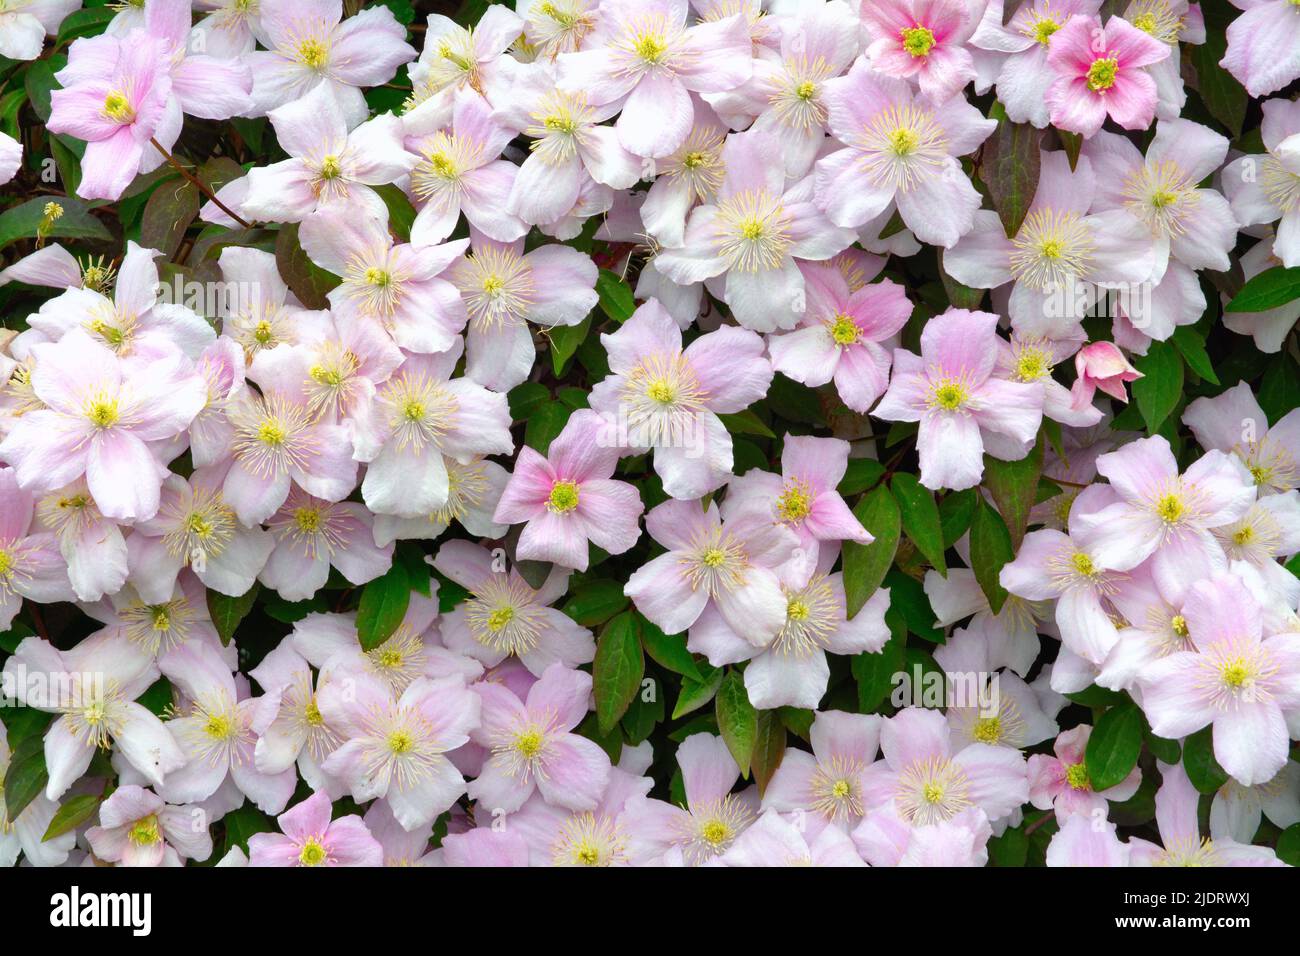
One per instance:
(1030, 359)
(459, 169)
(1165, 516)
(11, 160)
(24, 832)
(288, 723)
(456, 58)
(1099, 73)
(397, 284)
(729, 567)
(279, 441)
(157, 626)
(31, 565)
(961, 406)
(1177, 820)
(1101, 365)
(259, 312)
(307, 46)
(899, 152)
(1232, 421)
(569, 498)
(829, 781)
(664, 833)
(1084, 840)
(331, 162)
(418, 419)
(1230, 676)
(348, 359)
(1266, 188)
(395, 747)
(92, 545)
(51, 265)
(1236, 811)
(102, 417)
(213, 724)
(93, 688)
(137, 828)
(24, 24)
(533, 747)
(312, 536)
(401, 847)
(659, 396)
(309, 838)
(1270, 328)
(774, 841)
(506, 617)
(645, 59)
(685, 178)
(923, 40)
(196, 528)
(226, 31)
(504, 289)
(473, 490)
(843, 336)
(1060, 782)
(1264, 45)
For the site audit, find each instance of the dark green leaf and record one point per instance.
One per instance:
(1198, 760)
(1009, 165)
(26, 776)
(73, 813)
(920, 517)
(383, 606)
(737, 719)
(1271, 288)
(1014, 487)
(1114, 746)
(990, 549)
(769, 748)
(1158, 391)
(617, 670)
(595, 602)
(545, 424)
(669, 651)
(227, 611)
(1192, 347)
(865, 565)
(616, 299)
(695, 694)
(21, 221)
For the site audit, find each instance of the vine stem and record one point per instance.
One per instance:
(199, 184)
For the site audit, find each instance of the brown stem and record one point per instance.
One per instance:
(1047, 815)
(199, 184)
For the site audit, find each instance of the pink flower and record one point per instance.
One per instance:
(727, 567)
(830, 781)
(288, 724)
(136, 828)
(1101, 365)
(261, 312)
(899, 152)
(309, 838)
(399, 285)
(1232, 421)
(962, 407)
(504, 289)
(24, 832)
(456, 58)
(102, 414)
(1266, 188)
(1270, 328)
(774, 841)
(331, 161)
(312, 536)
(1061, 782)
(307, 46)
(647, 61)
(664, 833)
(30, 563)
(417, 420)
(533, 747)
(842, 336)
(1230, 676)
(1264, 45)
(506, 617)
(11, 160)
(660, 396)
(568, 498)
(923, 40)
(1165, 516)
(25, 24)
(280, 442)
(93, 687)
(1099, 73)
(395, 747)
(1084, 840)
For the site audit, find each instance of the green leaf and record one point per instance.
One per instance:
(71, 814)
(769, 748)
(26, 776)
(227, 611)
(21, 221)
(1224, 97)
(1009, 165)
(618, 669)
(616, 299)
(643, 715)
(695, 694)
(1288, 845)
(669, 651)
(920, 517)
(737, 719)
(862, 473)
(1114, 746)
(865, 565)
(167, 215)
(545, 424)
(955, 513)
(1163, 749)
(383, 606)
(82, 23)
(907, 597)
(401, 214)
(1158, 391)
(418, 572)
(1192, 347)
(1271, 288)
(797, 720)
(1014, 487)
(244, 823)
(990, 549)
(1198, 760)
(1010, 849)
(961, 296)
(874, 673)
(1279, 391)
(595, 602)
(527, 398)
(308, 281)
(565, 340)
(746, 423)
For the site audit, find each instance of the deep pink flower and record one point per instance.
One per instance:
(1099, 73)
(309, 838)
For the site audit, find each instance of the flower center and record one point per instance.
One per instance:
(118, 108)
(1083, 564)
(330, 168)
(1236, 673)
(844, 331)
(529, 743)
(313, 853)
(795, 502)
(1076, 775)
(308, 520)
(949, 395)
(1042, 30)
(145, 832)
(650, 48)
(1102, 73)
(500, 617)
(918, 40)
(312, 53)
(1171, 508)
(1178, 624)
(103, 413)
(564, 497)
(987, 730)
